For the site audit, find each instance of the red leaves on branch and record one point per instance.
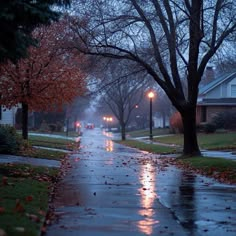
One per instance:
(49, 77)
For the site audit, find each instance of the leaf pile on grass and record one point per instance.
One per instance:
(219, 168)
(24, 192)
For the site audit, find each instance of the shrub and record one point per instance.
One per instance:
(10, 141)
(209, 128)
(52, 127)
(176, 123)
(225, 120)
(44, 127)
(59, 127)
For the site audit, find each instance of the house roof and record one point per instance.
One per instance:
(216, 82)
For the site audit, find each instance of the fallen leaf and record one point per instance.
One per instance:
(42, 213)
(43, 229)
(33, 217)
(19, 207)
(29, 198)
(2, 210)
(20, 229)
(4, 180)
(2, 232)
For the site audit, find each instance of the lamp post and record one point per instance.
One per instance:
(150, 95)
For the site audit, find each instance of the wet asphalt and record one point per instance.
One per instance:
(115, 190)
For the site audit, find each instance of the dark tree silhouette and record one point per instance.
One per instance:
(17, 20)
(172, 40)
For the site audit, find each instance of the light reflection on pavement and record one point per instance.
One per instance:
(147, 177)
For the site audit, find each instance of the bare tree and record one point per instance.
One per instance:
(122, 95)
(172, 40)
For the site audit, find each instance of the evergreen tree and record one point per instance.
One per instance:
(17, 20)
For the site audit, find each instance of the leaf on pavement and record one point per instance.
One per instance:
(19, 207)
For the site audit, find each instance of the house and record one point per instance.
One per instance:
(217, 96)
(7, 116)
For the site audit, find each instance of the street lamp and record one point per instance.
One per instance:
(151, 96)
(107, 119)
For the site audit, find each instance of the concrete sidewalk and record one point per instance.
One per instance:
(5, 158)
(116, 190)
(207, 153)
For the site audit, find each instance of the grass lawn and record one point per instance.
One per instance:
(43, 153)
(52, 142)
(149, 147)
(206, 141)
(70, 133)
(143, 133)
(25, 189)
(219, 168)
(47, 142)
(24, 194)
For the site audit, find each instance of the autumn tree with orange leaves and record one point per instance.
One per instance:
(47, 79)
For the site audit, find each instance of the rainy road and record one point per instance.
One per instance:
(115, 190)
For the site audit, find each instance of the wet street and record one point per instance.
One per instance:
(115, 190)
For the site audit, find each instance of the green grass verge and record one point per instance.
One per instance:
(51, 142)
(24, 198)
(154, 148)
(70, 133)
(146, 132)
(217, 141)
(44, 154)
(176, 139)
(220, 168)
(206, 141)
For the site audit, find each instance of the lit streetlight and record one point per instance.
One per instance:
(107, 119)
(151, 96)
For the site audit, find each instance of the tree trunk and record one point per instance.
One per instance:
(191, 147)
(25, 121)
(164, 120)
(123, 131)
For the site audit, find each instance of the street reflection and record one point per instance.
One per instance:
(109, 146)
(108, 134)
(77, 139)
(147, 198)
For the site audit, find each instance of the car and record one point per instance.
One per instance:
(89, 126)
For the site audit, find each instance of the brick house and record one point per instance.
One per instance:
(217, 96)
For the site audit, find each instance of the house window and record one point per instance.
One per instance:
(233, 90)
